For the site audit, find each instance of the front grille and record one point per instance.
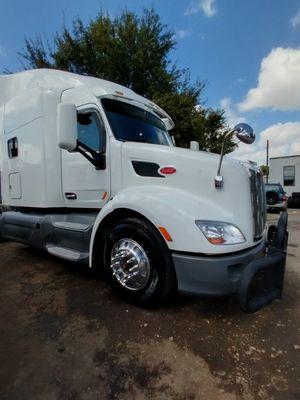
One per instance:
(258, 202)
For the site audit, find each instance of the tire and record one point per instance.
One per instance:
(290, 202)
(296, 202)
(160, 282)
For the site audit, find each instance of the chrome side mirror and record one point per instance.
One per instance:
(244, 133)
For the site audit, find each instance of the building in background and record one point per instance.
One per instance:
(286, 170)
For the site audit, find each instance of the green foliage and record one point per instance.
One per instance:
(264, 170)
(134, 51)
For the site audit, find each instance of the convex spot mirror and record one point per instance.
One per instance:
(244, 133)
(67, 126)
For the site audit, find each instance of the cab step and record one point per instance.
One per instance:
(67, 254)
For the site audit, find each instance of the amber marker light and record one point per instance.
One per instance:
(104, 195)
(216, 240)
(165, 234)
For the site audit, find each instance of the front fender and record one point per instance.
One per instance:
(176, 211)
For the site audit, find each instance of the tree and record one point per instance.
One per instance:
(134, 51)
(264, 170)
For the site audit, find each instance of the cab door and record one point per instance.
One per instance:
(84, 185)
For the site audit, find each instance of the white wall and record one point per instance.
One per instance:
(276, 172)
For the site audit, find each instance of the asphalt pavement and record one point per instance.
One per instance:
(64, 335)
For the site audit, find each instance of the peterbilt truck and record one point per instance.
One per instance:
(90, 173)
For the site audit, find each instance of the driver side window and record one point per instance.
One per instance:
(91, 130)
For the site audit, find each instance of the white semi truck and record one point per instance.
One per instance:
(90, 174)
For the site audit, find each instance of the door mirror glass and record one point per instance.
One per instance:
(67, 126)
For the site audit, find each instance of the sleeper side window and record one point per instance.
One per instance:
(289, 175)
(91, 131)
(12, 147)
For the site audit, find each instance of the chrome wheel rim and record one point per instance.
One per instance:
(130, 264)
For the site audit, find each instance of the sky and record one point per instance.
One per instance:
(247, 52)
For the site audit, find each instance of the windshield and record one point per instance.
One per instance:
(274, 187)
(131, 123)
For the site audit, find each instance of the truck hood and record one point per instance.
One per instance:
(195, 170)
(194, 177)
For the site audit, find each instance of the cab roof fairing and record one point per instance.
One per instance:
(55, 80)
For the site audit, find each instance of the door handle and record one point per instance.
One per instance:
(70, 196)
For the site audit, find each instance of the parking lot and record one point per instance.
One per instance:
(64, 335)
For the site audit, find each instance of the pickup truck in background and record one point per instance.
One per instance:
(275, 197)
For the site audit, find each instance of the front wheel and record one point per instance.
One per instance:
(137, 262)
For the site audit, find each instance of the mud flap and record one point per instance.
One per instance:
(262, 280)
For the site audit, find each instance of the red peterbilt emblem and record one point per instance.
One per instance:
(167, 170)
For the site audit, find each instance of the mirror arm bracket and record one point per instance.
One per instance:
(98, 160)
(222, 152)
(219, 177)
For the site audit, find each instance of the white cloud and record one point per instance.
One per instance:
(182, 33)
(208, 8)
(278, 85)
(193, 8)
(230, 112)
(281, 133)
(295, 20)
(283, 140)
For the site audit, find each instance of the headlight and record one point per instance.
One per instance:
(220, 233)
